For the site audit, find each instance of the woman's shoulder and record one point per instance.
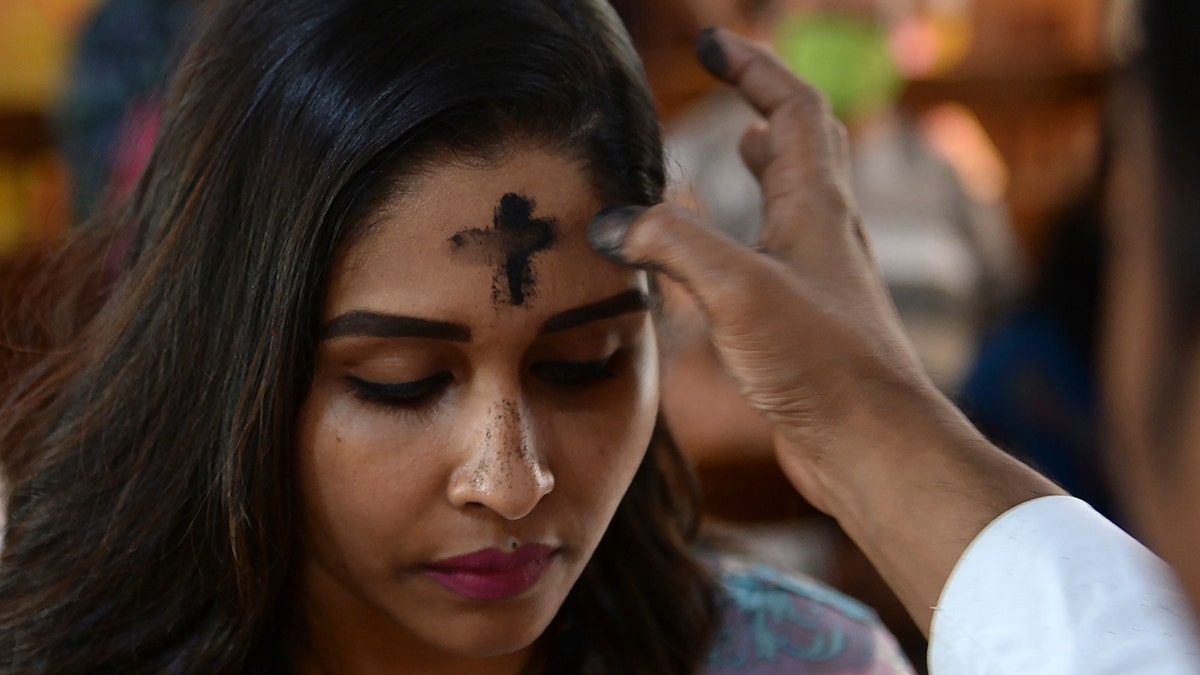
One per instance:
(779, 622)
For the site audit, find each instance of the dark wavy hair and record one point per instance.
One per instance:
(148, 456)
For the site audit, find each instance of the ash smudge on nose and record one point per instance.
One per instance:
(509, 416)
(479, 477)
(503, 415)
(515, 237)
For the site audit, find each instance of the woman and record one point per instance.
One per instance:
(362, 399)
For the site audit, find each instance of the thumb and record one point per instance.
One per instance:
(715, 269)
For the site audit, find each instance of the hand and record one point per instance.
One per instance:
(806, 327)
(804, 323)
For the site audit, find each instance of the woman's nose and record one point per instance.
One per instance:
(505, 471)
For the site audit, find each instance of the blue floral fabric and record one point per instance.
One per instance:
(779, 623)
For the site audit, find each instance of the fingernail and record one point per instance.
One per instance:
(710, 52)
(607, 230)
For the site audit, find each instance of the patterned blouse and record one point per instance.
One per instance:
(780, 623)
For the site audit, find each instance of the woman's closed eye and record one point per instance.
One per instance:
(577, 373)
(400, 394)
(417, 393)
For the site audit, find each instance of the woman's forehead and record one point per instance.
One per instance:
(463, 193)
(510, 234)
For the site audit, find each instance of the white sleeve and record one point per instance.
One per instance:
(1051, 587)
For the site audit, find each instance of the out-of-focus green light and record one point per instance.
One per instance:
(845, 56)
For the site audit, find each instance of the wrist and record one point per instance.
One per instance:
(912, 482)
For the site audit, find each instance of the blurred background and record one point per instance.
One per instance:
(978, 163)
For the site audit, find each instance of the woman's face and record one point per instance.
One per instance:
(484, 381)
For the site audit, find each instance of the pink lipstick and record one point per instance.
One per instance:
(492, 574)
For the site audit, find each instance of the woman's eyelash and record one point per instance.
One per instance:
(418, 392)
(399, 394)
(577, 372)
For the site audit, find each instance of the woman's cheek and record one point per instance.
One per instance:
(359, 464)
(619, 432)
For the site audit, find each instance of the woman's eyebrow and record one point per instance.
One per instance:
(362, 323)
(632, 300)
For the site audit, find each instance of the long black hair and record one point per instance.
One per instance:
(149, 458)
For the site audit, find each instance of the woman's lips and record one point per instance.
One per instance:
(492, 574)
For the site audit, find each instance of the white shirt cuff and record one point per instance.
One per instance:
(1053, 587)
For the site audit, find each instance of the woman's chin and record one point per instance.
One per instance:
(487, 639)
(487, 630)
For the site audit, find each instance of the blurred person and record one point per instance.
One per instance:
(107, 117)
(105, 124)
(362, 398)
(1033, 388)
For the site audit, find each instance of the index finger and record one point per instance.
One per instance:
(799, 156)
(763, 80)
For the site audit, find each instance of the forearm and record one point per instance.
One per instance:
(913, 487)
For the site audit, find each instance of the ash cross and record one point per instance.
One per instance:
(510, 244)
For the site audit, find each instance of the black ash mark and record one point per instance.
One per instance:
(515, 237)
